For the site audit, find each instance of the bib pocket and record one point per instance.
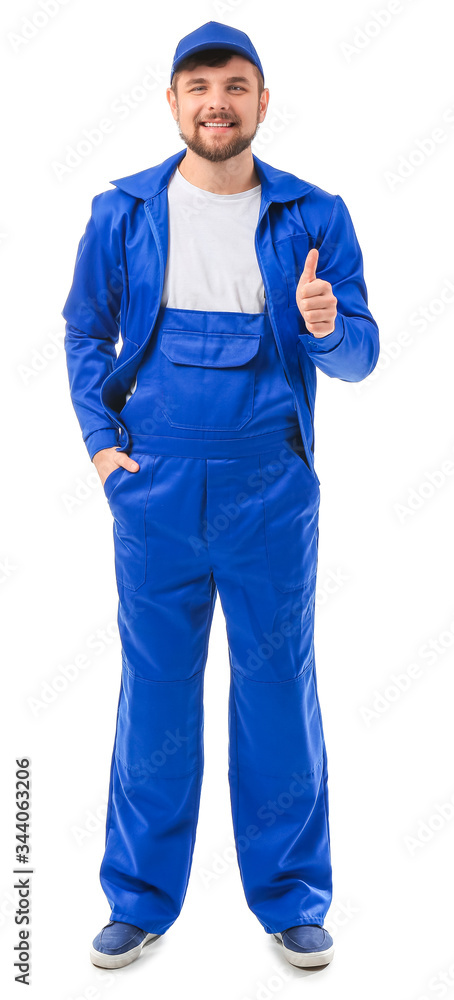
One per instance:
(207, 379)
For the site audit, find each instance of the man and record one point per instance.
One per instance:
(231, 281)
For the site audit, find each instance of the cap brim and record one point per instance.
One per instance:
(234, 49)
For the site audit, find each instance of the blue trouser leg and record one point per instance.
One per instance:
(164, 624)
(184, 527)
(264, 557)
(278, 785)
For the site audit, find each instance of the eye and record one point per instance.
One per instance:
(235, 86)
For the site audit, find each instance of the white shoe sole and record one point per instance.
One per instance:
(308, 959)
(117, 961)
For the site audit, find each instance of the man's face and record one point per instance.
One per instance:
(227, 94)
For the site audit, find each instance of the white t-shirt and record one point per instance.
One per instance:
(212, 263)
(211, 260)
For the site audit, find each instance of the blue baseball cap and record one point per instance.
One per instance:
(214, 35)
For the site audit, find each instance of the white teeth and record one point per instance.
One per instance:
(216, 124)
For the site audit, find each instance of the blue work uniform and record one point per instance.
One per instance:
(223, 501)
(226, 499)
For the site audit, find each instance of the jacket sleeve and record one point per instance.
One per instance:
(350, 352)
(92, 314)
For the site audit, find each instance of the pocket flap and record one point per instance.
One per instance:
(210, 350)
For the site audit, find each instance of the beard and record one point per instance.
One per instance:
(214, 151)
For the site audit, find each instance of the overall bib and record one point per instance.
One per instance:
(223, 501)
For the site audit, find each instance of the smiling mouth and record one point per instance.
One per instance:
(217, 126)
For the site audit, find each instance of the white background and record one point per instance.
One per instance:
(355, 117)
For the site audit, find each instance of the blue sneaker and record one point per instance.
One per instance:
(119, 944)
(307, 945)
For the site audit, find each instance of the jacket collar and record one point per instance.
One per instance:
(277, 185)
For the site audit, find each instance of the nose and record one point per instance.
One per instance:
(217, 106)
(217, 99)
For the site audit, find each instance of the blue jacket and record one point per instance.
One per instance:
(119, 278)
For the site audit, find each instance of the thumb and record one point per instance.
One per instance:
(310, 266)
(127, 462)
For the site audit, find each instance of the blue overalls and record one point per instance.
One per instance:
(223, 500)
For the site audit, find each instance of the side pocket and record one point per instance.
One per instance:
(111, 481)
(291, 508)
(128, 502)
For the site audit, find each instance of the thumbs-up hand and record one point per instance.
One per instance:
(315, 299)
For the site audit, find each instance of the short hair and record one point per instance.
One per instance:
(211, 57)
